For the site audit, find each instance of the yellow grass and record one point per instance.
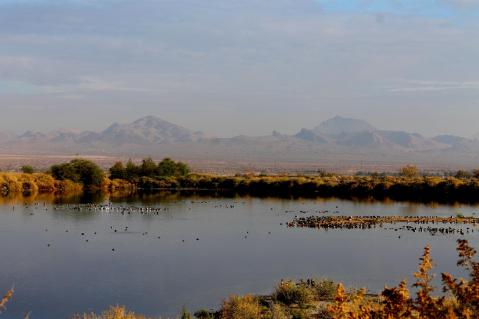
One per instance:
(117, 312)
(17, 183)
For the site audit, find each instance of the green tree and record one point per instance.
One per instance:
(132, 170)
(167, 167)
(182, 169)
(80, 171)
(64, 171)
(118, 171)
(148, 167)
(89, 172)
(27, 169)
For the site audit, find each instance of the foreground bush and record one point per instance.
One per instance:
(235, 307)
(291, 293)
(459, 298)
(117, 312)
(462, 301)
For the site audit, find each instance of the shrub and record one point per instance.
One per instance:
(324, 289)
(79, 171)
(27, 169)
(203, 314)
(118, 312)
(236, 307)
(289, 293)
(409, 171)
(118, 171)
(45, 182)
(185, 314)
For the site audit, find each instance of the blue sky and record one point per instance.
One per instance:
(231, 67)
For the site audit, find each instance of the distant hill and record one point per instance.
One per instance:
(339, 125)
(147, 130)
(335, 140)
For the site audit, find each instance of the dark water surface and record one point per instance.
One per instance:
(242, 248)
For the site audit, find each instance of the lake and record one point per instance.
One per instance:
(194, 251)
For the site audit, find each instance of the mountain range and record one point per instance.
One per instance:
(335, 140)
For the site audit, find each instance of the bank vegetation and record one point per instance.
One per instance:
(126, 178)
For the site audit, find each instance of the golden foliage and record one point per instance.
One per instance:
(396, 302)
(18, 183)
(6, 299)
(117, 312)
(245, 307)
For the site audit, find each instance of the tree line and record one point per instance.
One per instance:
(89, 173)
(148, 168)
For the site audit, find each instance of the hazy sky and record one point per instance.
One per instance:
(231, 67)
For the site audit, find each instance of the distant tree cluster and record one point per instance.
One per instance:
(79, 171)
(409, 171)
(148, 168)
(27, 169)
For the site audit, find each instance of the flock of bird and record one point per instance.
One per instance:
(110, 208)
(448, 225)
(421, 223)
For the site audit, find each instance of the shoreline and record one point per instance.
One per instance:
(427, 189)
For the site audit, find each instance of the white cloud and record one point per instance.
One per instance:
(267, 57)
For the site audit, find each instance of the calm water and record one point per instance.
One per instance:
(242, 248)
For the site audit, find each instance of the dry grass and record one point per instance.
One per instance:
(245, 307)
(116, 312)
(462, 301)
(18, 183)
(6, 299)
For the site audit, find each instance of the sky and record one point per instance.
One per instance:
(229, 67)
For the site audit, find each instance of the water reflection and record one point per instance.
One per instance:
(154, 196)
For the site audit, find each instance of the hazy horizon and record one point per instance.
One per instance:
(240, 67)
(107, 126)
